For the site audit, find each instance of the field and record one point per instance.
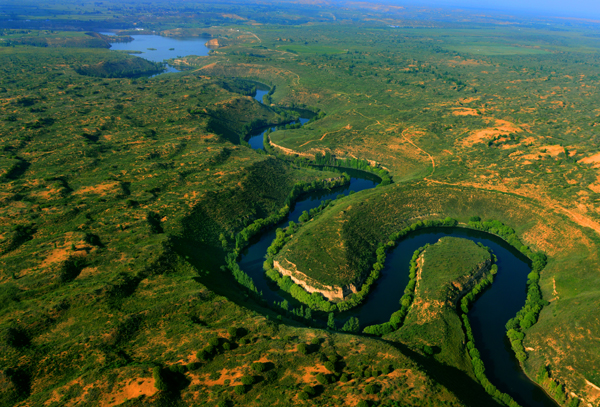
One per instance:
(122, 193)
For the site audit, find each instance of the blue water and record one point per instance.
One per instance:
(251, 260)
(256, 141)
(488, 316)
(182, 47)
(259, 94)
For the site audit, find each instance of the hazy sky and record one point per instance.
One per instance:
(570, 8)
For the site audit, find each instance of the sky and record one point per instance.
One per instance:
(589, 9)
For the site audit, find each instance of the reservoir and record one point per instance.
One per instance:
(162, 48)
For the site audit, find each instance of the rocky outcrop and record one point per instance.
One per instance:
(289, 151)
(332, 293)
(465, 284)
(216, 43)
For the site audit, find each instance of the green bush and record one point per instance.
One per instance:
(371, 389)
(241, 389)
(203, 355)
(321, 378)
(247, 380)
(232, 331)
(159, 381)
(302, 348)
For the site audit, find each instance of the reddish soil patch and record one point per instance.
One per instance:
(142, 386)
(101, 189)
(311, 372)
(501, 128)
(465, 111)
(593, 159)
(232, 375)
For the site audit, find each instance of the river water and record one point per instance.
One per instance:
(251, 260)
(489, 313)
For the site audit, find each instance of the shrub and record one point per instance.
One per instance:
(248, 380)
(258, 367)
(271, 376)
(309, 390)
(177, 368)
(226, 346)
(371, 389)
(321, 378)
(330, 366)
(362, 403)
(214, 342)
(70, 269)
(232, 331)
(303, 396)
(302, 348)
(159, 381)
(17, 337)
(241, 389)
(203, 355)
(344, 378)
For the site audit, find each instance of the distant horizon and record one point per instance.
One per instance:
(580, 9)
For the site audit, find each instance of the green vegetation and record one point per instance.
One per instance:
(445, 272)
(126, 199)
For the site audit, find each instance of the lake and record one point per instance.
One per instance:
(165, 47)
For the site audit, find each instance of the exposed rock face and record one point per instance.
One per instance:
(332, 293)
(466, 283)
(215, 43)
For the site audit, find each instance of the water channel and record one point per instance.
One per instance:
(488, 315)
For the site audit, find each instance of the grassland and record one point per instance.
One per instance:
(119, 196)
(517, 126)
(109, 183)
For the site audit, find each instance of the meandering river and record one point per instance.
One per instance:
(488, 315)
